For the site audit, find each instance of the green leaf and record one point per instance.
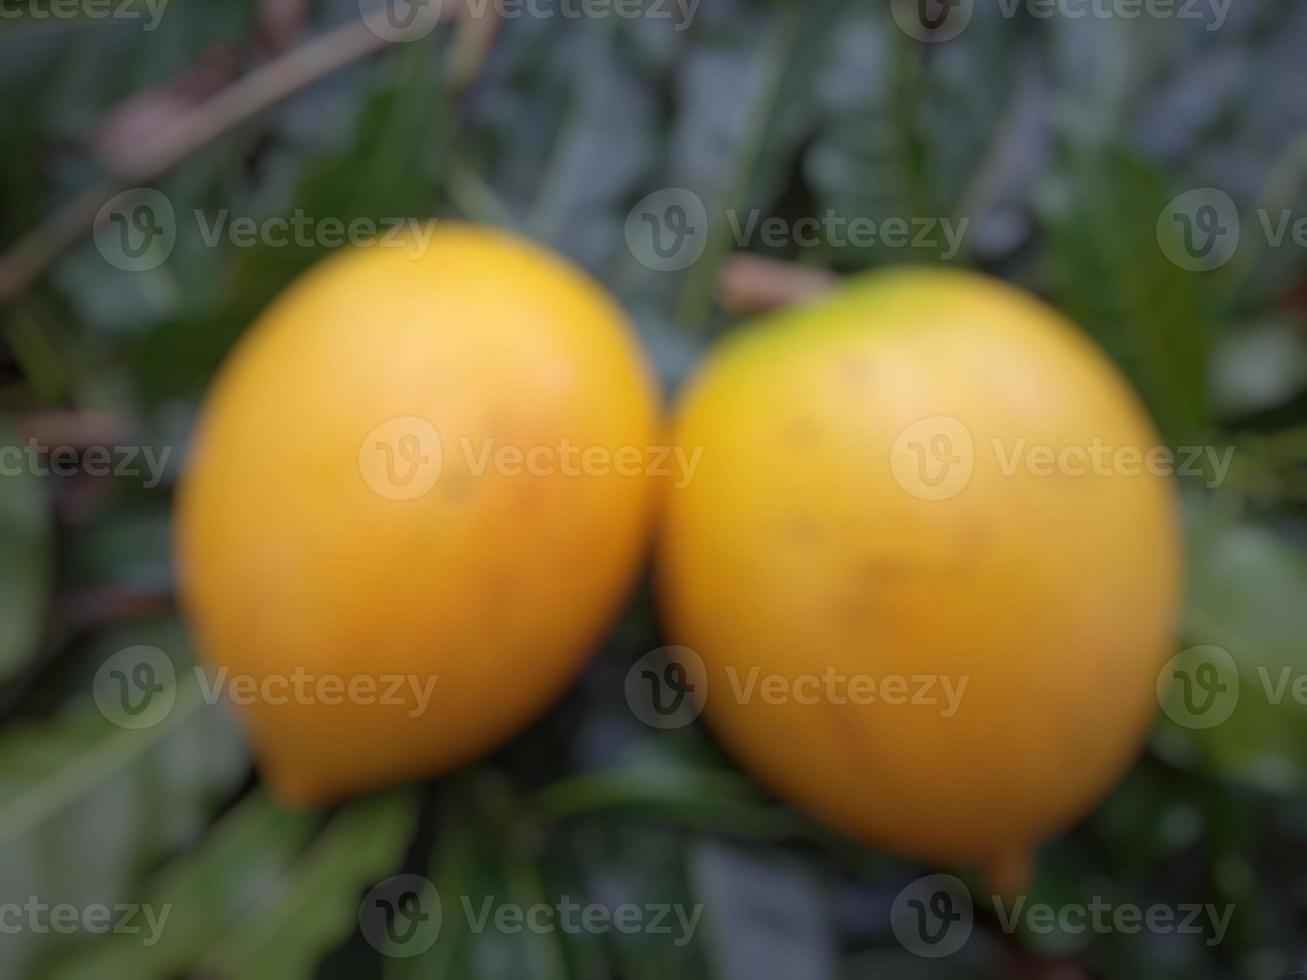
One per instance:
(389, 167)
(483, 861)
(1246, 589)
(241, 861)
(767, 916)
(748, 96)
(718, 800)
(1114, 280)
(863, 162)
(927, 133)
(128, 549)
(48, 768)
(608, 113)
(1259, 367)
(315, 907)
(86, 805)
(25, 564)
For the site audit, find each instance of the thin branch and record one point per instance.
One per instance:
(750, 284)
(245, 98)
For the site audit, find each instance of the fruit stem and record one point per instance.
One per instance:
(1009, 873)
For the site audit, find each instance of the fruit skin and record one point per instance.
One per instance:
(499, 583)
(796, 548)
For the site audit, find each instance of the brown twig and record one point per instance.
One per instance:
(93, 609)
(80, 430)
(472, 43)
(245, 98)
(749, 284)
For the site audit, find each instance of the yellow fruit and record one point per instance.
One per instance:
(419, 464)
(874, 503)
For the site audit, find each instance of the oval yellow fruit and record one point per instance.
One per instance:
(928, 562)
(414, 501)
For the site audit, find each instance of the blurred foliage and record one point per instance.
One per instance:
(1060, 141)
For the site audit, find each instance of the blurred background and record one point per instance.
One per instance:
(169, 167)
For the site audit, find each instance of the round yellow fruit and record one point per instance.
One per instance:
(930, 559)
(415, 500)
